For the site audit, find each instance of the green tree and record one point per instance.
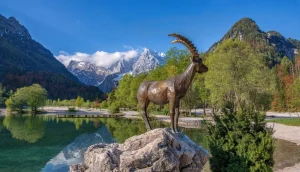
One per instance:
(9, 104)
(236, 74)
(104, 104)
(286, 65)
(191, 99)
(18, 100)
(2, 91)
(36, 97)
(79, 101)
(240, 142)
(88, 104)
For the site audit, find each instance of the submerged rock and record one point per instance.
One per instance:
(155, 150)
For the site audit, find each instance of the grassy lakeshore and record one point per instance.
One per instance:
(287, 121)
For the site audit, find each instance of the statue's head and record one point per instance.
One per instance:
(200, 67)
(195, 58)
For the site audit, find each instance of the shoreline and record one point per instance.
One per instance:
(281, 131)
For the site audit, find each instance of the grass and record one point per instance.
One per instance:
(287, 121)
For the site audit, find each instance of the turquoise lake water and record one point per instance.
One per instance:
(46, 143)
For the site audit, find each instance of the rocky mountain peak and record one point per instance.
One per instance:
(87, 72)
(271, 43)
(243, 30)
(11, 26)
(107, 78)
(274, 33)
(147, 61)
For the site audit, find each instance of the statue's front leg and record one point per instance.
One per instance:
(176, 116)
(172, 115)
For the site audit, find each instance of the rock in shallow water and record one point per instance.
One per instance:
(156, 150)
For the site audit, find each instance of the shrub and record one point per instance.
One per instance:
(113, 108)
(72, 109)
(240, 141)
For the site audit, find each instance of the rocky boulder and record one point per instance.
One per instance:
(156, 150)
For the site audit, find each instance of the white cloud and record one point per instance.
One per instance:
(100, 58)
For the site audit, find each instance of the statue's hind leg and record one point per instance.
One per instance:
(176, 116)
(144, 104)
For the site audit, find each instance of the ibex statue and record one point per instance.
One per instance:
(173, 89)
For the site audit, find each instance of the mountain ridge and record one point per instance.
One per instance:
(24, 61)
(272, 43)
(106, 81)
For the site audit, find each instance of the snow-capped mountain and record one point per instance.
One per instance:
(107, 78)
(88, 73)
(147, 61)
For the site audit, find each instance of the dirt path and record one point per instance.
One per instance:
(295, 168)
(289, 133)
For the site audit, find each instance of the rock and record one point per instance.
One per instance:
(156, 150)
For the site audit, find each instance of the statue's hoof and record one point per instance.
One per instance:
(178, 131)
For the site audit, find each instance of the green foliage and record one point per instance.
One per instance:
(34, 96)
(295, 91)
(9, 103)
(31, 130)
(18, 100)
(72, 109)
(2, 91)
(104, 104)
(113, 108)
(237, 74)
(286, 64)
(240, 142)
(79, 101)
(191, 99)
(287, 93)
(87, 104)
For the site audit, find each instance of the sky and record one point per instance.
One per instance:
(97, 28)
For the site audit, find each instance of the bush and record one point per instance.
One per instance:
(103, 104)
(113, 108)
(72, 109)
(240, 142)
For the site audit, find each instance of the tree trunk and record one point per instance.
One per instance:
(204, 112)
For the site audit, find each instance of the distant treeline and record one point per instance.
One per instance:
(35, 96)
(79, 102)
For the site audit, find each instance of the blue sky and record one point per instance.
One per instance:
(107, 25)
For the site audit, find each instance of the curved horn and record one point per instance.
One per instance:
(187, 43)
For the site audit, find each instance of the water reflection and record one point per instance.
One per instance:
(73, 153)
(30, 129)
(48, 143)
(286, 154)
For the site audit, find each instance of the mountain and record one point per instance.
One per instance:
(122, 66)
(147, 61)
(88, 73)
(107, 79)
(110, 82)
(23, 61)
(271, 44)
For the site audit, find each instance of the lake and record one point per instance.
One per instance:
(47, 143)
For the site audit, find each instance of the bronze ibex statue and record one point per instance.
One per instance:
(173, 89)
